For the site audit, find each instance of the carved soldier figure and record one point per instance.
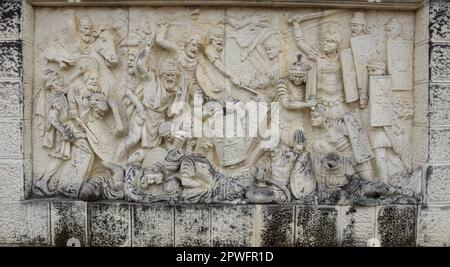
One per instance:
(61, 133)
(86, 34)
(358, 24)
(393, 30)
(335, 134)
(187, 57)
(330, 91)
(213, 76)
(291, 92)
(153, 106)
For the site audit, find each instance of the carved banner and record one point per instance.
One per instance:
(362, 47)
(400, 64)
(349, 76)
(380, 96)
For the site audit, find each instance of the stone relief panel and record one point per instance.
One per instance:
(224, 105)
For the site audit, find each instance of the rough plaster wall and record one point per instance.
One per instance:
(43, 223)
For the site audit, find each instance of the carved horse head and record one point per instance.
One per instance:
(105, 46)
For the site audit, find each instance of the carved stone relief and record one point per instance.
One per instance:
(231, 105)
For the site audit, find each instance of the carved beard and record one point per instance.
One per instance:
(87, 38)
(169, 84)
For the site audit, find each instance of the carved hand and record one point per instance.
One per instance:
(363, 100)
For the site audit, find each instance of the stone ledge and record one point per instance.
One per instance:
(385, 4)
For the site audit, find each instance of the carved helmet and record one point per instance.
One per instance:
(168, 65)
(299, 66)
(85, 21)
(393, 23)
(358, 18)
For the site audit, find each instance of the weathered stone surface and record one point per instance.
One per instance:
(420, 145)
(24, 223)
(68, 222)
(192, 226)
(316, 226)
(439, 144)
(232, 226)
(439, 21)
(421, 63)
(358, 225)
(396, 226)
(11, 100)
(153, 225)
(11, 55)
(109, 225)
(11, 179)
(440, 63)
(437, 183)
(421, 104)
(11, 139)
(408, 181)
(422, 24)
(434, 226)
(439, 104)
(10, 11)
(275, 225)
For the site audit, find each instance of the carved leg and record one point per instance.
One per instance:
(380, 158)
(42, 182)
(364, 170)
(120, 129)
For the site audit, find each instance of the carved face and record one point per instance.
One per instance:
(217, 39)
(330, 45)
(357, 29)
(87, 33)
(317, 118)
(175, 155)
(169, 80)
(153, 176)
(297, 78)
(131, 63)
(272, 50)
(192, 48)
(392, 32)
(92, 82)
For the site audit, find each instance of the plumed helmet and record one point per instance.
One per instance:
(299, 66)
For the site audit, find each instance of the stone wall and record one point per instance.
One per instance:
(27, 222)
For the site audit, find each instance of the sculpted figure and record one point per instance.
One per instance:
(60, 133)
(336, 135)
(187, 57)
(330, 91)
(99, 45)
(153, 180)
(337, 182)
(291, 92)
(153, 106)
(106, 185)
(213, 76)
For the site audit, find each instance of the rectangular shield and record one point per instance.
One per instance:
(380, 96)
(349, 76)
(358, 138)
(400, 64)
(362, 46)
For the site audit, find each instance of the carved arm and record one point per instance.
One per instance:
(302, 43)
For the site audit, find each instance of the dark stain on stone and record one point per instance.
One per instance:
(109, 224)
(316, 227)
(192, 225)
(397, 226)
(11, 63)
(70, 224)
(276, 226)
(10, 12)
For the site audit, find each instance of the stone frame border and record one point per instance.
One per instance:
(38, 221)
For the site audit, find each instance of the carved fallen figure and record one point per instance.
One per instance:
(337, 183)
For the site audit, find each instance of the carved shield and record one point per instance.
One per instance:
(400, 64)
(349, 76)
(358, 138)
(380, 96)
(102, 138)
(302, 182)
(362, 47)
